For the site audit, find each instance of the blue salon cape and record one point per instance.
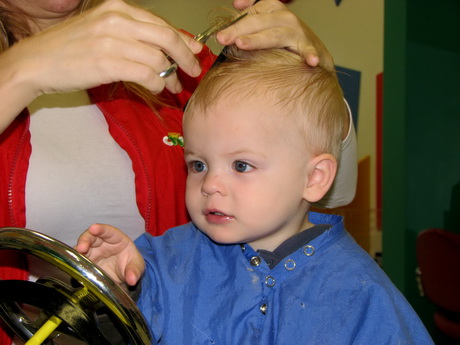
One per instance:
(330, 291)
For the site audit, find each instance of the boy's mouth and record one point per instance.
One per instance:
(216, 216)
(213, 212)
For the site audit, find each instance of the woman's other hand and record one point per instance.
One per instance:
(272, 25)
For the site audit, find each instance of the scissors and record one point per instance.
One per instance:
(202, 38)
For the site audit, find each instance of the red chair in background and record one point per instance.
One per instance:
(438, 257)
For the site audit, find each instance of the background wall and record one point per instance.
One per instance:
(421, 171)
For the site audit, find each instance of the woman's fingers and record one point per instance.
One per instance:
(110, 43)
(271, 25)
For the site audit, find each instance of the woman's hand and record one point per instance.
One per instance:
(271, 25)
(113, 251)
(112, 42)
(109, 43)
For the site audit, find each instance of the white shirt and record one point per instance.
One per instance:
(78, 175)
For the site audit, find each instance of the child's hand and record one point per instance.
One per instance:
(113, 251)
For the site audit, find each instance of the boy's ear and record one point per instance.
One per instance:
(321, 175)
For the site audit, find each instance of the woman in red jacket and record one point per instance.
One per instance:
(71, 157)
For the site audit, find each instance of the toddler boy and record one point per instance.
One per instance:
(262, 138)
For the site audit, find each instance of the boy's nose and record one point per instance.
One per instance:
(212, 184)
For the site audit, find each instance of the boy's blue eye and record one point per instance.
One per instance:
(198, 166)
(241, 166)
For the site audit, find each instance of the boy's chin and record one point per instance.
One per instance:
(220, 239)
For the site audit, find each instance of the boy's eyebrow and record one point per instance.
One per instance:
(188, 151)
(248, 151)
(233, 153)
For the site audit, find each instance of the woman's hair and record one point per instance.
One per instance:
(15, 24)
(284, 79)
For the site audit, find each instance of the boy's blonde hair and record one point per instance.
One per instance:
(313, 94)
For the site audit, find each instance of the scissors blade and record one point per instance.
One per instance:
(202, 38)
(205, 35)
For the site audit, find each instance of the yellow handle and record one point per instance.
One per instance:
(44, 331)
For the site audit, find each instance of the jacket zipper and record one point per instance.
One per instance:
(14, 164)
(136, 147)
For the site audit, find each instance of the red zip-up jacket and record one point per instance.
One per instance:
(149, 140)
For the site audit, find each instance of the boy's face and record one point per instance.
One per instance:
(247, 169)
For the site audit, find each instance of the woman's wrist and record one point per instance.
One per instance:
(16, 87)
